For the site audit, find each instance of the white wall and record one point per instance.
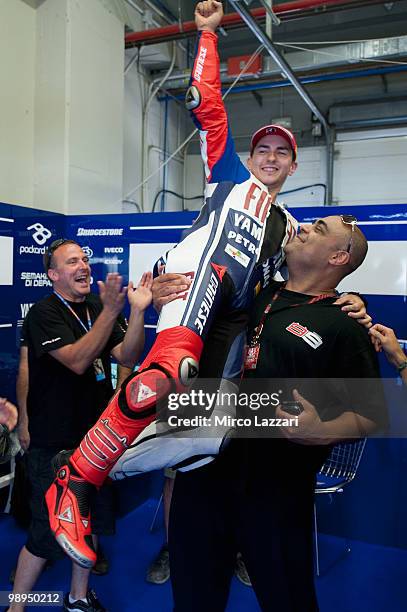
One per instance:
(132, 133)
(96, 109)
(61, 106)
(17, 59)
(79, 108)
(175, 169)
(371, 171)
(368, 171)
(51, 73)
(136, 94)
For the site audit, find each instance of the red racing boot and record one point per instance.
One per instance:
(171, 365)
(69, 511)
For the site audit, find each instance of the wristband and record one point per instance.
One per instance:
(402, 367)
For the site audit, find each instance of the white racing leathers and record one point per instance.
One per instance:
(230, 253)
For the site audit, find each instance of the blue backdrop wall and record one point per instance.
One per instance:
(372, 509)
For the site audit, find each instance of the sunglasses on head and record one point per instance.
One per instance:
(51, 250)
(352, 221)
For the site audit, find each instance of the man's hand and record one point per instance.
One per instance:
(309, 424)
(354, 306)
(141, 296)
(8, 414)
(23, 434)
(167, 287)
(384, 338)
(112, 293)
(208, 15)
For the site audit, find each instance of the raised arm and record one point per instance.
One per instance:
(204, 100)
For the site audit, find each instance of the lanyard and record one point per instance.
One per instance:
(63, 300)
(258, 330)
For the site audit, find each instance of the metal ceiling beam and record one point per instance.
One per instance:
(287, 10)
(305, 80)
(340, 55)
(288, 73)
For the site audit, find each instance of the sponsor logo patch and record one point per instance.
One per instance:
(50, 341)
(40, 234)
(66, 515)
(207, 303)
(190, 276)
(144, 392)
(220, 270)
(200, 64)
(35, 279)
(113, 250)
(100, 231)
(237, 255)
(312, 338)
(88, 251)
(32, 250)
(25, 308)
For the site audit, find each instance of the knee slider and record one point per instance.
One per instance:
(188, 370)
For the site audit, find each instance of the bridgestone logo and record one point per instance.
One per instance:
(115, 231)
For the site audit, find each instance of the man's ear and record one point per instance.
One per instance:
(52, 275)
(293, 168)
(340, 258)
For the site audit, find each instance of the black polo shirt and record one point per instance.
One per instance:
(62, 405)
(321, 351)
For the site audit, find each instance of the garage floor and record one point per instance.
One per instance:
(368, 579)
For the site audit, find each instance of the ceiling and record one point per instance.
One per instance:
(370, 20)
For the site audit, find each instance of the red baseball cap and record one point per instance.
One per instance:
(268, 130)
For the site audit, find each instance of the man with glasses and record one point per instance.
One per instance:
(352, 221)
(257, 496)
(70, 336)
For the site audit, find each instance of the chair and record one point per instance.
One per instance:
(7, 480)
(339, 469)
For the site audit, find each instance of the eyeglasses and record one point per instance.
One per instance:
(51, 250)
(352, 221)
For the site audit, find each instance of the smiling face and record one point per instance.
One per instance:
(272, 162)
(70, 272)
(324, 242)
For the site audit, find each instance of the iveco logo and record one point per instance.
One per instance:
(88, 251)
(114, 250)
